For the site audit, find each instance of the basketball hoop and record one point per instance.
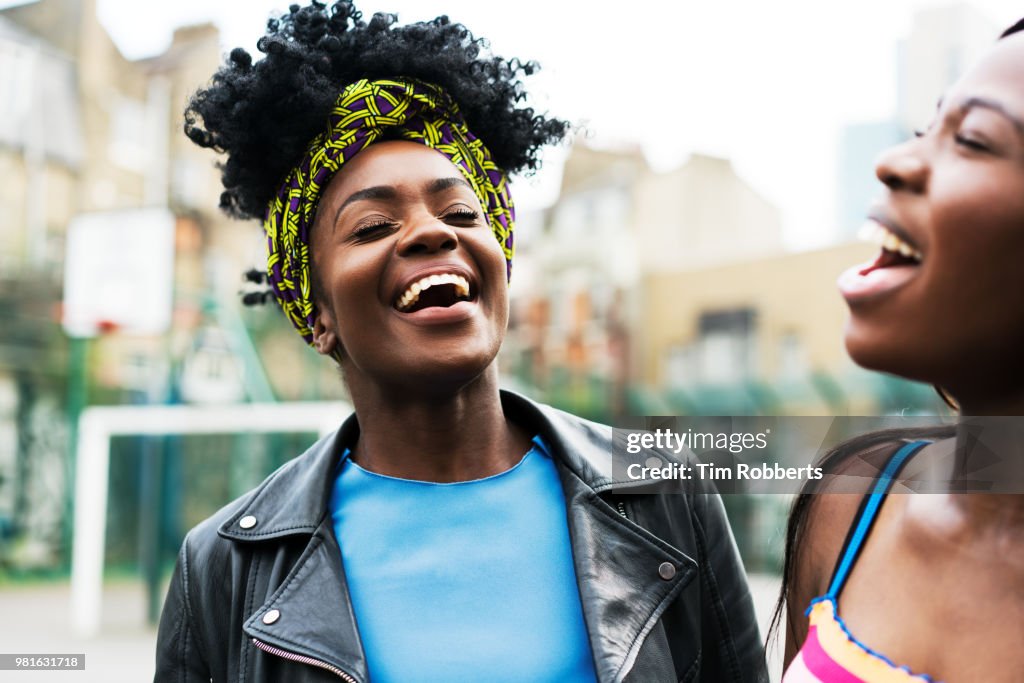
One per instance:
(119, 273)
(105, 327)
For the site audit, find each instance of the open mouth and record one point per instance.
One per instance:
(898, 263)
(896, 250)
(441, 290)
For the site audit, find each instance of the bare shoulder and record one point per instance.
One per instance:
(824, 513)
(832, 506)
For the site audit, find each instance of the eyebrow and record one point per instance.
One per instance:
(991, 105)
(442, 184)
(379, 192)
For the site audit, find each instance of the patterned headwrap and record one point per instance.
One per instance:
(420, 112)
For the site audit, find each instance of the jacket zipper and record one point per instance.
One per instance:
(284, 654)
(621, 507)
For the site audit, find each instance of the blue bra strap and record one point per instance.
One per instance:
(866, 515)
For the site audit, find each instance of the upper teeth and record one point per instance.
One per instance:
(877, 233)
(412, 294)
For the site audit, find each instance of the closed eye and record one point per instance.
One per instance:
(373, 229)
(970, 143)
(461, 214)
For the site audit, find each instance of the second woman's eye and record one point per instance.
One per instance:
(970, 143)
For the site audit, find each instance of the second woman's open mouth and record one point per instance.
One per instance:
(898, 262)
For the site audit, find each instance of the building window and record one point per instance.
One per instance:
(128, 134)
(727, 346)
(681, 366)
(792, 358)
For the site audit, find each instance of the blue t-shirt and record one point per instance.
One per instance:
(467, 581)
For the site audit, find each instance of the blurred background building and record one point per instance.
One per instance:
(636, 292)
(83, 130)
(671, 293)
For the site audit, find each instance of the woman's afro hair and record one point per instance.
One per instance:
(263, 114)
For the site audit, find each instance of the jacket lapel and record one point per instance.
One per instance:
(311, 613)
(626, 576)
(624, 580)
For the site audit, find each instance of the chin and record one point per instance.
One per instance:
(891, 355)
(446, 367)
(450, 378)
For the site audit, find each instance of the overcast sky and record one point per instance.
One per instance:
(767, 84)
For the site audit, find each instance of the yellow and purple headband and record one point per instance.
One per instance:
(418, 111)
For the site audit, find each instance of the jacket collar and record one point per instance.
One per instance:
(283, 506)
(620, 566)
(293, 500)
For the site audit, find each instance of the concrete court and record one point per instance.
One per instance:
(34, 620)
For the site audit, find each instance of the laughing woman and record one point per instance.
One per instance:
(448, 531)
(910, 588)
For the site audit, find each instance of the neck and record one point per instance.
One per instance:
(989, 455)
(455, 435)
(987, 402)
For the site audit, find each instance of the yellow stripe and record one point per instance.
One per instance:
(849, 654)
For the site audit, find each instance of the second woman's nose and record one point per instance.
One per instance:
(903, 167)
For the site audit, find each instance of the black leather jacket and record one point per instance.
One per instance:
(259, 591)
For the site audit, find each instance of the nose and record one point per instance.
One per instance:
(903, 167)
(427, 235)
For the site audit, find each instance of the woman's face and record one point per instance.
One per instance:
(412, 283)
(944, 301)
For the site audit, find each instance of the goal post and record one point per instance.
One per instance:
(98, 424)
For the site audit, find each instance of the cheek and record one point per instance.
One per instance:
(977, 277)
(498, 268)
(494, 255)
(348, 283)
(979, 242)
(978, 209)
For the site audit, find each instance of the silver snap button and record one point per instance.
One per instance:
(271, 616)
(247, 522)
(666, 570)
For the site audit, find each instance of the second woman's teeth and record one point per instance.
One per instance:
(877, 233)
